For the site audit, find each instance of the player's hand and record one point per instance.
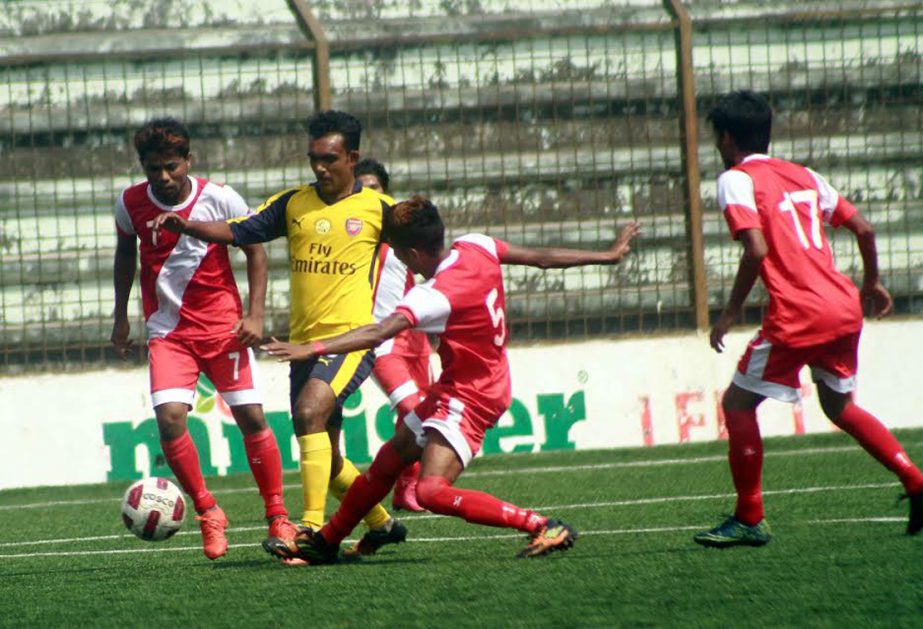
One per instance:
(879, 301)
(621, 246)
(171, 221)
(287, 352)
(249, 331)
(121, 329)
(721, 327)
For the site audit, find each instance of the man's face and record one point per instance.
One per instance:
(332, 165)
(167, 174)
(369, 180)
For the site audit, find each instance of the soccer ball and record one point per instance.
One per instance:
(153, 509)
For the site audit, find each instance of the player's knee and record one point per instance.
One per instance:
(730, 400)
(738, 399)
(832, 403)
(404, 443)
(308, 418)
(249, 418)
(430, 491)
(834, 411)
(171, 422)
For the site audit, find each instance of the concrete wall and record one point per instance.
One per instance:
(98, 426)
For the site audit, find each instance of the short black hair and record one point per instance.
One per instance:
(162, 135)
(332, 121)
(415, 224)
(369, 166)
(745, 115)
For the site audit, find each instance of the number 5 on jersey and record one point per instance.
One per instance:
(497, 317)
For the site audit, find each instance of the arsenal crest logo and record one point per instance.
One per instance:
(353, 226)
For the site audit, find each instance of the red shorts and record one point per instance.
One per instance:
(402, 376)
(463, 426)
(772, 370)
(176, 364)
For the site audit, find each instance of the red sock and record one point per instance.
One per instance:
(365, 492)
(881, 444)
(183, 459)
(745, 454)
(436, 494)
(266, 466)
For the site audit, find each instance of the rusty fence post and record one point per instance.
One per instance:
(690, 160)
(313, 30)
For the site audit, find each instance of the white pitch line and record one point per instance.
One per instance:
(123, 551)
(429, 516)
(715, 458)
(508, 472)
(440, 540)
(664, 499)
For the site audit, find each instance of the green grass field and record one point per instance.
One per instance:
(839, 557)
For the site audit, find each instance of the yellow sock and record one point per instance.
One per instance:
(315, 476)
(344, 480)
(378, 516)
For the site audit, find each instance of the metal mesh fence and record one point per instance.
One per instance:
(543, 125)
(549, 141)
(846, 88)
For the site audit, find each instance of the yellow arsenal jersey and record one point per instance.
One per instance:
(332, 255)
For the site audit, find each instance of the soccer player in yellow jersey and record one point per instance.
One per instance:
(333, 228)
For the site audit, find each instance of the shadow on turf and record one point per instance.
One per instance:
(273, 564)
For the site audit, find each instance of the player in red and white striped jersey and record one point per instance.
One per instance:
(463, 302)
(402, 367)
(194, 320)
(776, 210)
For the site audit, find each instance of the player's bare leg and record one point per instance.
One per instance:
(878, 441)
(183, 459)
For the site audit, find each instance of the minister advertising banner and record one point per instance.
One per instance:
(98, 426)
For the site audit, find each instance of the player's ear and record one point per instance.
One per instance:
(414, 254)
(353, 156)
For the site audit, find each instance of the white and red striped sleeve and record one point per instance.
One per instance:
(394, 281)
(496, 248)
(426, 307)
(122, 221)
(835, 209)
(738, 202)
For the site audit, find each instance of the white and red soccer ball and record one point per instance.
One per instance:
(153, 509)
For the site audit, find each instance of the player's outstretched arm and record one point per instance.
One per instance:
(123, 275)
(873, 291)
(755, 249)
(365, 337)
(556, 258)
(249, 330)
(209, 231)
